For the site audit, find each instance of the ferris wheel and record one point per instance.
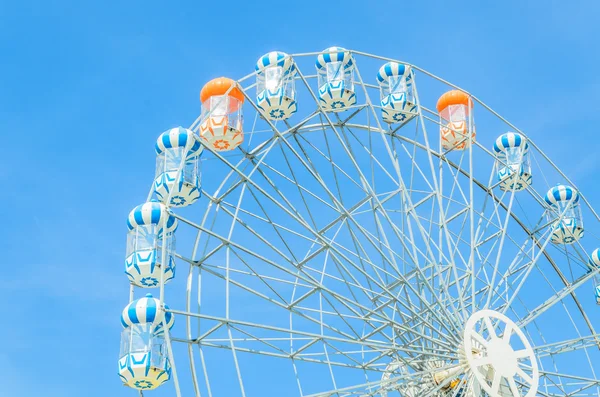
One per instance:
(345, 228)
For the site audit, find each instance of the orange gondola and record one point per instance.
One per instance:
(456, 120)
(221, 126)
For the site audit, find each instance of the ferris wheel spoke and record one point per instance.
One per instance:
(450, 164)
(490, 327)
(521, 353)
(369, 195)
(406, 306)
(437, 344)
(297, 216)
(480, 339)
(524, 274)
(277, 203)
(496, 382)
(567, 385)
(501, 245)
(343, 300)
(302, 190)
(361, 253)
(456, 188)
(435, 300)
(352, 141)
(442, 341)
(520, 264)
(283, 305)
(235, 360)
(582, 342)
(513, 387)
(375, 387)
(247, 343)
(419, 225)
(259, 236)
(342, 338)
(556, 375)
(262, 148)
(303, 200)
(242, 286)
(374, 281)
(346, 211)
(238, 169)
(365, 260)
(355, 313)
(304, 144)
(394, 270)
(525, 376)
(559, 296)
(374, 158)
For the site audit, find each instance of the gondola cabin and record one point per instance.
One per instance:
(177, 180)
(396, 90)
(457, 129)
(143, 361)
(151, 230)
(564, 214)
(512, 162)
(221, 126)
(335, 75)
(276, 92)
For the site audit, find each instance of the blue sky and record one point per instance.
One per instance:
(87, 86)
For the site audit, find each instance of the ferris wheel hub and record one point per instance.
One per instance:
(502, 357)
(498, 367)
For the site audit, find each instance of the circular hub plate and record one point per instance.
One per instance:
(499, 355)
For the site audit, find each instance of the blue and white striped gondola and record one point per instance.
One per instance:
(335, 71)
(512, 155)
(151, 228)
(595, 258)
(564, 199)
(144, 362)
(597, 294)
(397, 101)
(276, 94)
(147, 311)
(177, 167)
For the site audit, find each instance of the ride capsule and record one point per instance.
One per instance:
(512, 161)
(595, 258)
(396, 89)
(335, 75)
(221, 126)
(455, 109)
(143, 361)
(151, 229)
(177, 167)
(276, 93)
(562, 198)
